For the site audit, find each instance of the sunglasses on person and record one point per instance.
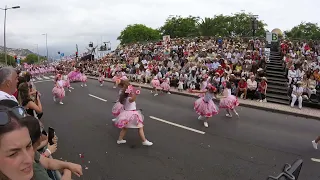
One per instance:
(18, 111)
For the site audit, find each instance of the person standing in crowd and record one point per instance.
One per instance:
(33, 107)
(42, 163)
(204, 106)
(8, 83)
(130, 117)
(228, 101)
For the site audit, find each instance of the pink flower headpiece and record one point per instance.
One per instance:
(131, 90)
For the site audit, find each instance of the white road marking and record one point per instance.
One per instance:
(39, 78)
(104, 100)
(177, 125)
(71, 88)
(45, 77)
(315, 160)
(43, 81)
(52, 76)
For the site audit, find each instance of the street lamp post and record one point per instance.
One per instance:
(4, 31)
(254, 24)
(46, 45)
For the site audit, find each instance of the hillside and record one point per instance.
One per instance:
(19, 52)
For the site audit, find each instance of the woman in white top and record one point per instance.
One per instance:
(311, 87)
(291, 75)
(297, 94)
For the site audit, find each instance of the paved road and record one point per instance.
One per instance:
(250, 148)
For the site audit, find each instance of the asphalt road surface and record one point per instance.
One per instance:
(250, 148)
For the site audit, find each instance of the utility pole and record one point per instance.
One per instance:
(4, 31)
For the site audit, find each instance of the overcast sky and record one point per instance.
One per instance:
(70, 22)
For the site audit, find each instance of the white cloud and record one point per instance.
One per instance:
(70, 22)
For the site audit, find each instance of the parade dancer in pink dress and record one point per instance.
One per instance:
(66, 82)
(58, 90)
(101, 77)
(155, 83)
(118, 107)
(228, 101)
(204, 106)
(130, 117)
(165, 85)
(83, 79)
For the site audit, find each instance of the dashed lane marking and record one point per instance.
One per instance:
(104, 100)
(177, 125)
(315, 160)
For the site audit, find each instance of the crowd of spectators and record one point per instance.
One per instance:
(302, 63)
(190, 62)
(25, 146)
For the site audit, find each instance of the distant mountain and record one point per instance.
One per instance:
(18, 52)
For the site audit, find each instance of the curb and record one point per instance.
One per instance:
(241, 104)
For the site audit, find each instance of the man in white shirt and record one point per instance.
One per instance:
(8, 83)
(252, 86)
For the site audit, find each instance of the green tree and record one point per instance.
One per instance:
(239, 24)
(242, 25)
(304, 31)
(177, 26)
(31, 59)
(138, 33)
(10, 60)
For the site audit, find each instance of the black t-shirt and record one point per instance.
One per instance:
(29, 111)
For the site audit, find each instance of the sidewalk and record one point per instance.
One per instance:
(273, 107)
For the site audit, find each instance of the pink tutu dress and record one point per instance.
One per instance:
(165, 85)
(83, 78)
(66, 82)
(74, 76)
(58, 90)
(101, 77)
(116, 78)
(130, 117)
(117, 107)
(205, 107)
(155, 83)
(230, 102)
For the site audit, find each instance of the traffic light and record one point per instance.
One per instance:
(76, 54)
